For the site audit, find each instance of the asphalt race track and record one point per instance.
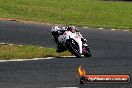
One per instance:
(112, 54)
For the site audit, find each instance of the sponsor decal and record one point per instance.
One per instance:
(102, 78)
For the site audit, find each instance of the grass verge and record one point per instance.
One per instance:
(94, 13)
(27, 52)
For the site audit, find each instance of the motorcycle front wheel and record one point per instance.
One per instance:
(73, 47)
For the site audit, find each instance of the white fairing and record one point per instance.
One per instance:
(67, 35)
(54, 28)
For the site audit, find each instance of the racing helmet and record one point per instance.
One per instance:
(71, 28)
(54, 30)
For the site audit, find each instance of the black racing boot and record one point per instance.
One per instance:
(60, 48)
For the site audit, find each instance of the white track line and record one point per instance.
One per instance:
(67, 56)
(20, 45)
(10, 44)
(2, 43)
(67, 87)
(101, 28)
(85, 27)
(21, 60)
(125, 30)
(34, 59)
(113, 29)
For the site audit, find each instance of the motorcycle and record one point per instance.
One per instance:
(73, 43)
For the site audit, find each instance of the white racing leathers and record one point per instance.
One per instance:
(69, 35)
(73, 43)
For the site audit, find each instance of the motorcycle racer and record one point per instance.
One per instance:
(56, 31)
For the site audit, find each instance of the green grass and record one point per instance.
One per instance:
(93, 13)
(27, 52)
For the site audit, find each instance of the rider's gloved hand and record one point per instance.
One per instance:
(83, 40)
(76, 30)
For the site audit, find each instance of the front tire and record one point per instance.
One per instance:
(73, 47)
